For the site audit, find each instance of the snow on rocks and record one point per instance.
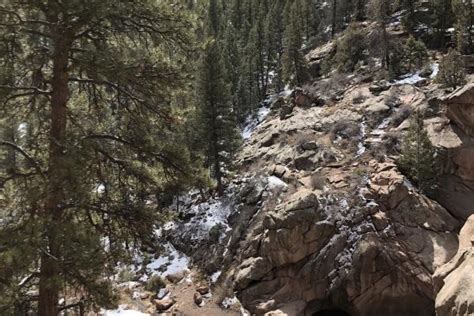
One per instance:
(276, 183)
(252, 122)
(415, 78)
(209, 215)
(409, 79)
(215, 276)
(123, 311)
(171, 262)
(434, 70)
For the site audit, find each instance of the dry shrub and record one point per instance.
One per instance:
(345, 128)
(317, 181)
(401, 115)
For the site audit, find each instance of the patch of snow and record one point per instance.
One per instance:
(372, 204)
(171, 262)
(276, 183)
(363, 132)
(360, 149)
(215, 276)
(136, 295)
(408, 184)
(22, 129)
(384, 123)
(209, 214)
(414, 78)
(100, 189)
(286, 92)
(409, 79)
(435, 70)
(343, 204)
(252, 122)
(228, 302)
(122, 311)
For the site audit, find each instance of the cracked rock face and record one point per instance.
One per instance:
(351, 252)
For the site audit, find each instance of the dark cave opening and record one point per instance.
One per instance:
(331, 312)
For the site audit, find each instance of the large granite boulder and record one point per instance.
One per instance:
(455, 280)
(460, 108)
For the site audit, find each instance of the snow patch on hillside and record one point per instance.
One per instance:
(172, 261)
(252, 122)
(122, 311)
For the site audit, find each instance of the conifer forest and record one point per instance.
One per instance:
(236, 157)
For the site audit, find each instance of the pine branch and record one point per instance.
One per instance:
(24, 154)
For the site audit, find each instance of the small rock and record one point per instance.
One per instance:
(164, 304)
(265, 307)
(176, 277)
(378, 108)
(379, 87)
(162, 293)
(144, 296)
(269, 140)
(198, 299)
(203, 290)
(279, 171)
(311, 145)
(280, 102)
(286, 111)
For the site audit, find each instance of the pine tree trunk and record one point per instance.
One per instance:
(386, 46)
(49, 285)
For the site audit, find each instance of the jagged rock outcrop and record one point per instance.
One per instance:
(455, 280)
(455, 138)
(361, 254)
(460, 108)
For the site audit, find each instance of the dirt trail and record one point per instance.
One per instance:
(185, 305)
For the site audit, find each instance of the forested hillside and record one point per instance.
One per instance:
(236, 157)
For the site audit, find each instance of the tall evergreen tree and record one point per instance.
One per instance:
(219, 134)
(417, 159)
(294, 66)
(379, 11)
(274, 28)
(463, 14)
(89, 81)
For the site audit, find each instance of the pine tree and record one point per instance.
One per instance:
(219, 134)
(350, 49)
(441, 19)
(89, 82)
(294, 65)
(274, 28)
(415, 54)
(417, 159)
(214, 18)
(231, 56)
(378, 11)
(451, 70)
(464, 18)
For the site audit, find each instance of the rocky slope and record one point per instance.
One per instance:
(320, 221)
(324, 221)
